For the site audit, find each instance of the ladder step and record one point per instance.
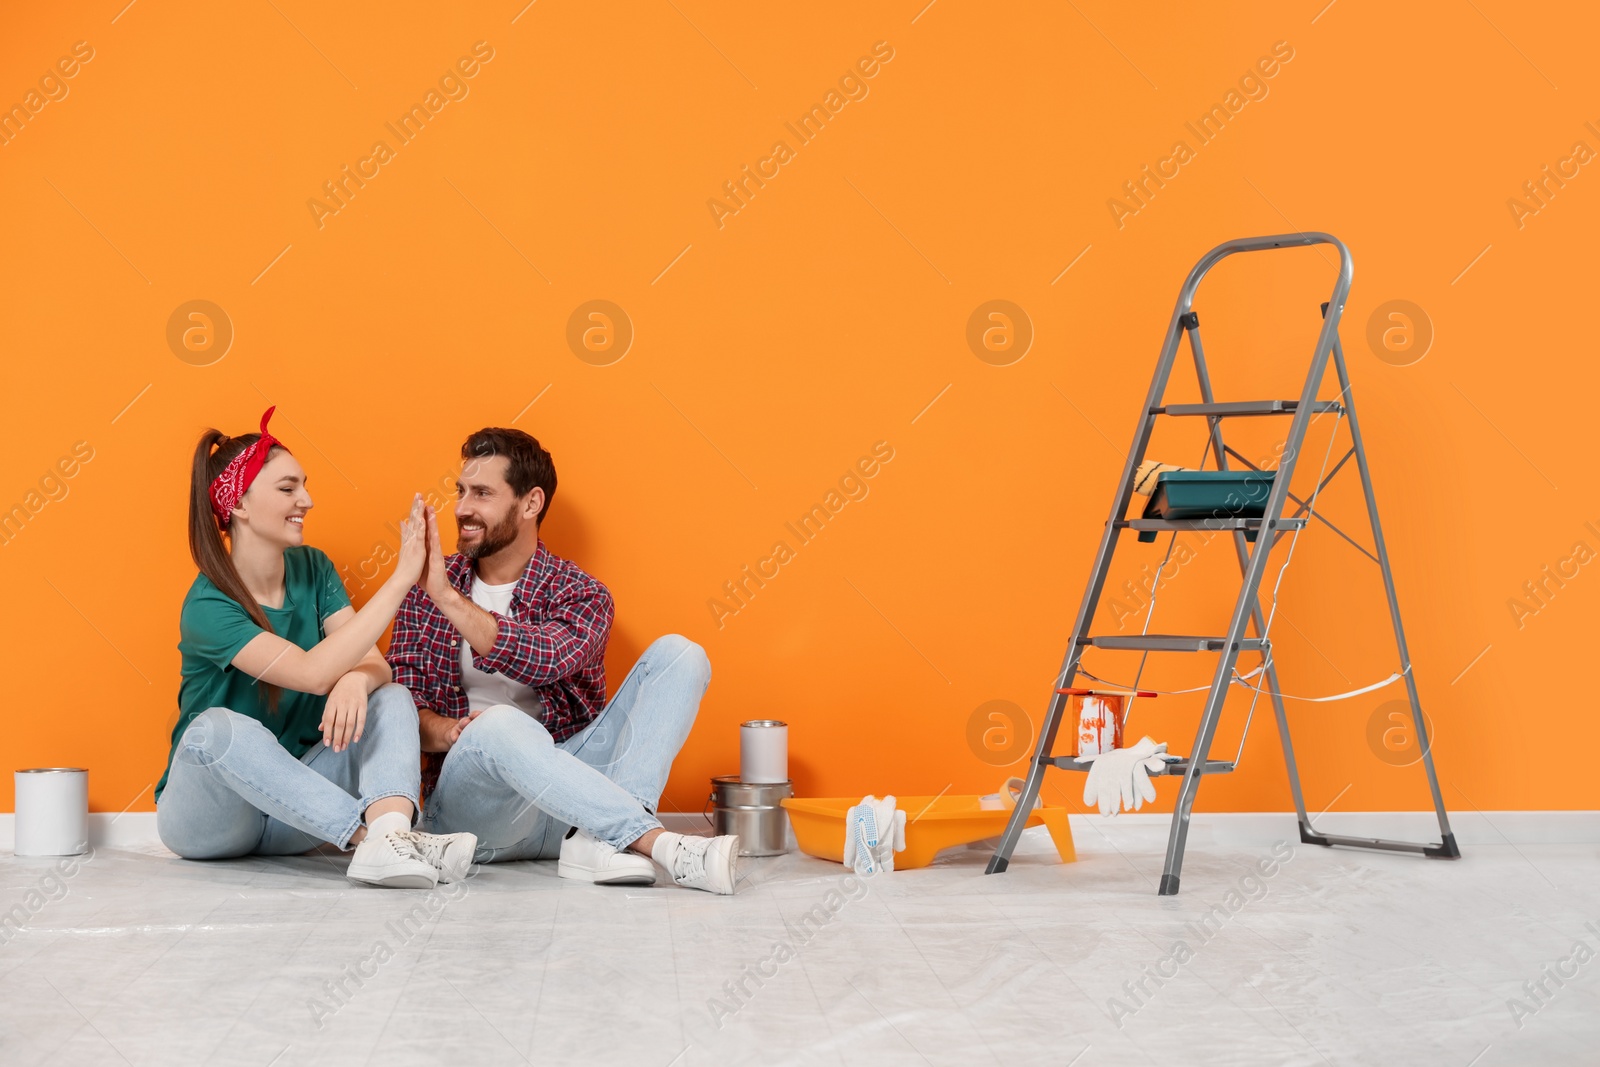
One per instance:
(1148, 528)
(1244, 407)
(1170, 643)
(1177, 767)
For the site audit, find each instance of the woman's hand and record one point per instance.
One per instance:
(413, 544)
(344, 716)
(436, 575)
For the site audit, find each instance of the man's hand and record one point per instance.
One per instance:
(344, 715)
(440, 732)
(435, 579)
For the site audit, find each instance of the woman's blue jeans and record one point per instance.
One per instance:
(234, 790)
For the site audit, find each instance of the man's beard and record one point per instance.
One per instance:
(493, 539)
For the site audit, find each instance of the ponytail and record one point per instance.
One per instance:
(206, 543)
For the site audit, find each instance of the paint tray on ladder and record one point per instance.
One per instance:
(1240, 494)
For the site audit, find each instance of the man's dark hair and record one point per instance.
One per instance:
(530, 464)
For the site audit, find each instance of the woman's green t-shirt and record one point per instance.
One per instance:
(213, 627)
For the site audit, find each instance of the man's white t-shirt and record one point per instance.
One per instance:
(486, 690)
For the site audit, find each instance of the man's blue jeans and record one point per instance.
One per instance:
(234, 790)
(506, 780)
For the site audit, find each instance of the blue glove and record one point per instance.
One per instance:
(873, 832)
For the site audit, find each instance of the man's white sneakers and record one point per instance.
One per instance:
(589, 859)
(693, 862)
(391, 860)
(450, 854)
(699, 862)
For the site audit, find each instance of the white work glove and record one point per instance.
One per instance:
(891, 832)
(1120, 779)
(873, 832)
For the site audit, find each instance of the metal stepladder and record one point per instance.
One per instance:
(1265, 532)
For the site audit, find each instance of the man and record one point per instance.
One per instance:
(503, 647)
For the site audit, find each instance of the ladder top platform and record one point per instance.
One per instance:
(1245, 407)
(1142, 525)
(1172, 643)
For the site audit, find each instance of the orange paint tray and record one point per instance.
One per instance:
(932, 823)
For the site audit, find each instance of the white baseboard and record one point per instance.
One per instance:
(132, 829)
(137, 829)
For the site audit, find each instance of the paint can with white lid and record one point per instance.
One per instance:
(763, 751)
(52, 816)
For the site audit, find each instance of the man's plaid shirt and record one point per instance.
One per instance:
(554, 641)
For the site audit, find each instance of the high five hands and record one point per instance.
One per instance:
(344, 714)
(439, 733)
(420, 562)
(413, 555)
(435, 578)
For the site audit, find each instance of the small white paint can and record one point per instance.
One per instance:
(52, 811)
(763, 751)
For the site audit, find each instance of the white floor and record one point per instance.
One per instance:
(1338, 957)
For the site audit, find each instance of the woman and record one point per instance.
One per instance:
(290, 730)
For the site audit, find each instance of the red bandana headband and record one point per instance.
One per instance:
(230, 485)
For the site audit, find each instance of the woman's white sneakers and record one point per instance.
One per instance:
(450, 854)
(393, 861)
(589, 859)
(707, 863)
(411, 859)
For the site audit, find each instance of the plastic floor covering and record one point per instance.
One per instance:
(1272, 955)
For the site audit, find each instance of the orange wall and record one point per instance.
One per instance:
(775, 345)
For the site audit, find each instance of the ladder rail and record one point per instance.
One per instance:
(1109, 535)
(1419, 723)
(1249, 594)
(1241, 552)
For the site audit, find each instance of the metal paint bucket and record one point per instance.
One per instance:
(52, 811)
(751, 810)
